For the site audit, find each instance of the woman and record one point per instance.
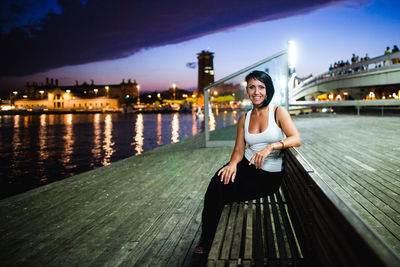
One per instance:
(256, 170)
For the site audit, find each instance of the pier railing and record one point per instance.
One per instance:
(329, 231)
(226, 99)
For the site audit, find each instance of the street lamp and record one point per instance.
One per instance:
(41, 94)
(15, 95)
(174, 87)
(96, 90)
(138, 95)
(107, 88)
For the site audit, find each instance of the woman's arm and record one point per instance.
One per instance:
(292, 135)
(292, 138)
(228, 173)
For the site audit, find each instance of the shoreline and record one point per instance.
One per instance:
(25, 112)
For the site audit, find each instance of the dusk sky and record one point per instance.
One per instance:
(153, 41)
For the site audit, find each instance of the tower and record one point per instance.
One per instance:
(206, 70)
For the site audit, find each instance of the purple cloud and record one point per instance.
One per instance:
(105, 30)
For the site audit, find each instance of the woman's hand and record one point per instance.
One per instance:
(259, 157)
(228, 173)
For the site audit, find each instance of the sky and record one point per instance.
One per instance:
(156, 42)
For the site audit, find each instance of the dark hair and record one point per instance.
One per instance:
(265, 79)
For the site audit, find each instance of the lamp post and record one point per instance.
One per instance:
(107, 88)
(96, 90)
(174, 87)
(138, 95)
(15, 95)
(41, 94)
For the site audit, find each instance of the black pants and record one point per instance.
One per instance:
(250, 183)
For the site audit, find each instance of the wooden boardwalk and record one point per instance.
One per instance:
(145, 210)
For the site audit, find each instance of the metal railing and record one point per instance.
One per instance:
(351, 70)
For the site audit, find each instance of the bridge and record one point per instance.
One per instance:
(353, 81)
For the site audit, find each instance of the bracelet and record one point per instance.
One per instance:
(283, 144)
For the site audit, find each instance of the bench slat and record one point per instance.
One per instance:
(237, 238)
(248, 247)
(258, 235)
(229, 232)
(294, 249)
(278, 231)
(219, 234)
(270, 249)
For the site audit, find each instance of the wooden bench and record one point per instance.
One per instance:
(305, 224)
(256, 233)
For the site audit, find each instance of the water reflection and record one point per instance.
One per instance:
(16, 143)
(194, 124)
(175, 128)
(212, 123)
(68, 142)
(43, 153)
(108, 144)
(41, 149)
(159, 129)
(139, 139)
(26, 121)
(96, 150)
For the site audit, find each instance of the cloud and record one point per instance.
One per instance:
(106, 30)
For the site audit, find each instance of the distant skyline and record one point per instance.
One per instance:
(156, 45)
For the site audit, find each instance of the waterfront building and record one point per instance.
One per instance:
(79, 97)
(206, 70)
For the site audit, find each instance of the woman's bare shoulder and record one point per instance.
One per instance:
(242, 118)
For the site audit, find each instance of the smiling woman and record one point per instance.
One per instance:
(255, 170)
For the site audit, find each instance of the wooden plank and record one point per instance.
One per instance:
(258, 235)
(269, 234)
(237, 236)
(227, 241)
(293, 248)
(248, 247)
(219, 234)
(278, 230)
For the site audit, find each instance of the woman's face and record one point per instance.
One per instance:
(256, 91)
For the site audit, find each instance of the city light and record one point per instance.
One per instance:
(174, 87)
(107, 88)
(138, 95)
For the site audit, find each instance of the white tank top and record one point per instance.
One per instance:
(256, 142)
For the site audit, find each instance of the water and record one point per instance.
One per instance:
(39, 149)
